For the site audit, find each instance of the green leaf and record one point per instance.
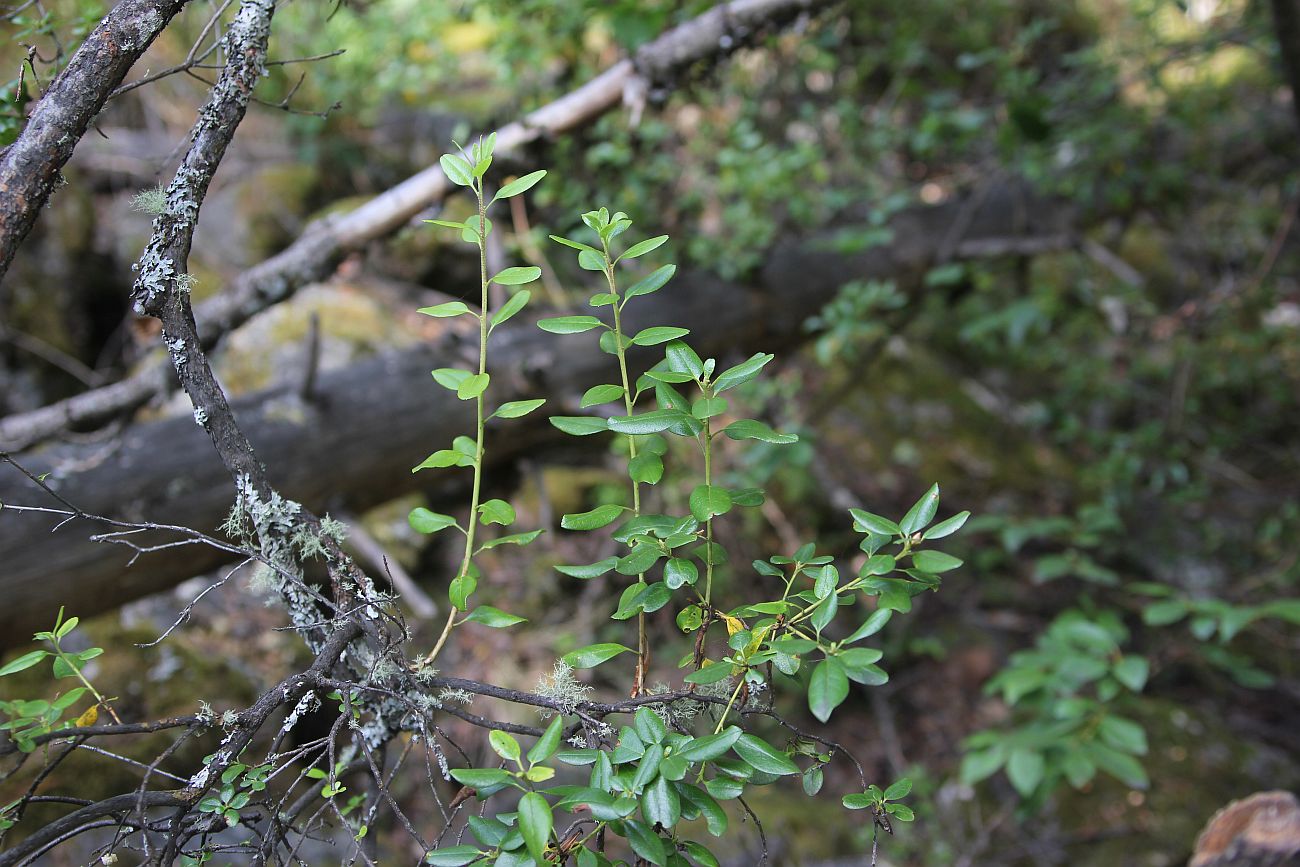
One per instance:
(901, 812)
(493, 617)
(948, 527)
(651, 283)
(859, 665)
(461, 588)
(724, 788)
(549, 742)
(1165, 612)
(711, 673)
(599, 394)
(649, 727)
(472, 225)
(473, 386)
(457, 170)
(1123, 734)
(935, 561)
(1025, 771)
(496, 512)
(646, 843)
(1122, 766)
(707, 501)
(517, 302)
(741, 373)
(922, 513)
(480, 778)
(579, 425)
(593, 655)
(644, 247)
(1284, 609)
(517, 275)
(646, 468)
(450, 224)
(827, 688)
(659, 334)
(873, 624)
(703, 749)
(763, 756)
(453, 856)
(517, 408)
(708, 407)
(584, 573)
(519, 185)
(24, 662)
(512, 539)
(505, 745)
(601, 516)
(424, 521)
(899, 789)
(1132, 671)
(574, 244)
(654, 421)
(660, 803)
(679, 571)
(981, 764)
(682, 359)
(451, 377)
(443, 458)
(700, 855)
(443, 311)
(569, 324)
(857, 801)
(590, 260)
(867, 522)
(749, 429)
(535, 823)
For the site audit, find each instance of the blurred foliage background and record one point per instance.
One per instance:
(1119, 656)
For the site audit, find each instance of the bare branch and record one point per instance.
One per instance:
(29, 168)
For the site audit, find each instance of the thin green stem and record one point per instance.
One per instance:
(735, 693)
(99, 699)
(642, 641)
(479, 401)
(708, 525)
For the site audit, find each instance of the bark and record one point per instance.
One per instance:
(323, 244)
(29, 168)
(1260, 831)
(355, 444)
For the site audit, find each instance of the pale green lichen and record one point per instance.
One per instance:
(333, 529)
(151, 201)
(561, 687)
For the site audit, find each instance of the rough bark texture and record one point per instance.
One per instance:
(373, 421)
(1260, 831)
(29, 168)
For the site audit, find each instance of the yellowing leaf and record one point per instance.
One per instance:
(88, 716)
(734, 624)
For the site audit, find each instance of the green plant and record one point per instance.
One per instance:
(467, 169)
(646, 778)
(1065, 694)
(28, 718)
(239, 783)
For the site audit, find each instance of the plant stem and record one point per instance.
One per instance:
(642, 642)
(99, 699)
(471, 523)
(730, 703)
(708, 525)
